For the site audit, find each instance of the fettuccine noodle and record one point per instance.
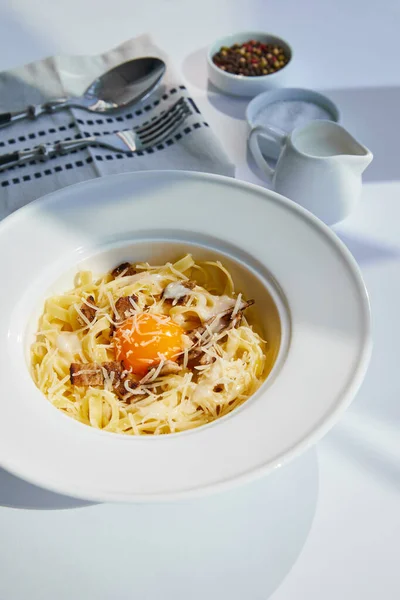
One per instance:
(236, 362)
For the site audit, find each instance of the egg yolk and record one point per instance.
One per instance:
(143, 340)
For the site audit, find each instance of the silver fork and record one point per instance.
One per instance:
(128, 140)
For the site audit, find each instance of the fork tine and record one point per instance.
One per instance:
(163, 128)
(160, 119)
(166, 133)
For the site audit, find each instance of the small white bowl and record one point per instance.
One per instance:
(241, 85)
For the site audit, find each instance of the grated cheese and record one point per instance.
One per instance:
(108, 379)
(135, 390)
(133, 303)
(237, 306)
(154, 339)
(185, 357)
(85, 372)
(112, 304)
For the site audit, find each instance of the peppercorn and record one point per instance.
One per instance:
(251, 59)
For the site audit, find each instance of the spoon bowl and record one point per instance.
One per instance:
(125, 84)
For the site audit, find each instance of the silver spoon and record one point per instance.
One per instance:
(123, 85)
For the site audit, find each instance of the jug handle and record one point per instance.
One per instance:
(273, 133)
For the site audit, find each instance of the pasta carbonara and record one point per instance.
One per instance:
(149, 349)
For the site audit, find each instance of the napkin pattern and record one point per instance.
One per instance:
(193, 147)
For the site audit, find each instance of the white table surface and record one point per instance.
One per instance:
(326, 526)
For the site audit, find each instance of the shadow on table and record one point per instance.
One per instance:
(372, 455)
(237, 544)
(17, 493)
(232, 106)
(372, 116)
(238, 540)
(194, 68)
(367, 252)
(367, 436)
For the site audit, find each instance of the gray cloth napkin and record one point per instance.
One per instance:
(193, 147)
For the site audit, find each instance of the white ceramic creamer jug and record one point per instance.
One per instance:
(319, 167)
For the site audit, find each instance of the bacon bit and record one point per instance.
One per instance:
(125, 381)
(86, 375)
(93, 374)
(123, 270)
(124, 307)
(89, 310)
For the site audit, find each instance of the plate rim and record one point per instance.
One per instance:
(300, 446)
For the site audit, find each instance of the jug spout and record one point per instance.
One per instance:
(357, 161)
(349, 150)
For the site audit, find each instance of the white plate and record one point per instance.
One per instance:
(275, 246)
